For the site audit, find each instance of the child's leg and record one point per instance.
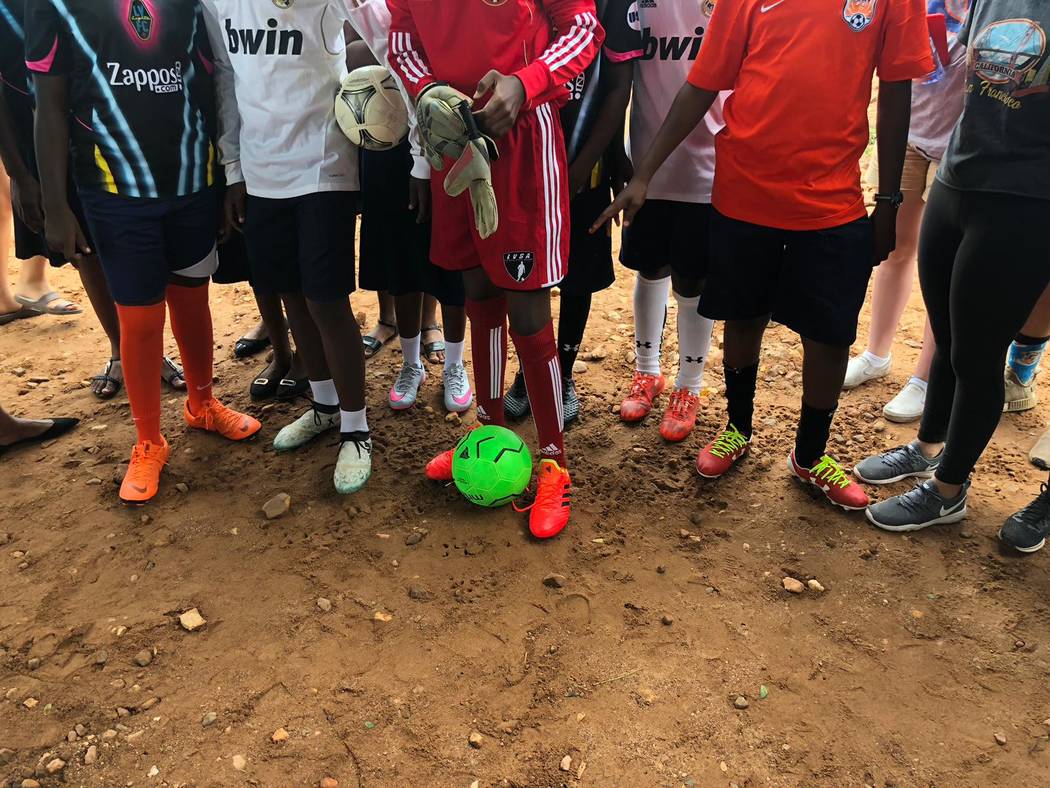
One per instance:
(533, 334)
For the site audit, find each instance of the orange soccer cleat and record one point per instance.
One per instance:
(680, 416)
(644, 390)
(216, 417)
(439, 469)
(142, 479)
(549, 512)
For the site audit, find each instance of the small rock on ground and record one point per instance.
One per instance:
(240, 763)
(279, 735)
(792, 585)
(741, 702)
(192, 620)
(91, 756)
(329, 782)
(1000, 738)
(325, 605)
(476, 740)
(209, 719)
(277, 506)
(814, 585)
(554, 581)
(566, 763)
(144, 658)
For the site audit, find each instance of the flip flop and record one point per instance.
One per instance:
(373, 345)
(18, 314)
(58, 427)
(172, 374)
(49, 304)
(245, 347)
(107, 379)
(431, 349)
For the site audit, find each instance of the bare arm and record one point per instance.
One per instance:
(52, 148)
(688, 109)
(891, 128)
(25, 191)
(607, 125)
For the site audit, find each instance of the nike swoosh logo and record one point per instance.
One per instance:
(395, 397)
(462, 400)
(950, 509)
(770, 7)
(136, 488)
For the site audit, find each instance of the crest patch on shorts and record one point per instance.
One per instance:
(519, 265)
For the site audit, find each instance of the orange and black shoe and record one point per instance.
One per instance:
(680, 416)
(644, 391)
(216, 417)
(549, 512)
(142, 479)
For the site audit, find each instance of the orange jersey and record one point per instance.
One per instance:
(796, 123)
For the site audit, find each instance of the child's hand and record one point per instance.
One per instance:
(500, 112)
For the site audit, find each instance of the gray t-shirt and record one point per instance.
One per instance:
(1002, 141)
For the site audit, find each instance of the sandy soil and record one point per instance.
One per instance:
(921, 651)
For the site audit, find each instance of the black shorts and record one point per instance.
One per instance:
(667, 232)
(812, 281)
(590, 256)
(302, 244)
(28, 243)
(141, 242)
(395, 248)
(233, 261)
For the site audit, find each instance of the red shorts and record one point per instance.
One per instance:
(530, 250)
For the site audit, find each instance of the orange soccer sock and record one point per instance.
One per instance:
(141, 349)
(191, 325)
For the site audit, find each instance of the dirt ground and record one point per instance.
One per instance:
(921, 651)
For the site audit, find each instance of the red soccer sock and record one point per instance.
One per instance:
(488, 342)
(539, 362)
(191, 325)
(141, 349)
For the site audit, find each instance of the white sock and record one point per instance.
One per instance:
(324, 392)
(694, 340)
(410, 349)
(650, 313)
(353, 420)
(919, 383)
(876, 361)
(453, 353)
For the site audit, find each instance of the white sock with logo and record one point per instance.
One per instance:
(694, 340)
(650, 313)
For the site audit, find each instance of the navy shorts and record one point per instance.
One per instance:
(395, 248)
(302, 244)
(668, 232)
(142, 242)
(590, 256)
(812, 281)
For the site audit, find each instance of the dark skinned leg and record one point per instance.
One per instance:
(343, 350)
(308, 345)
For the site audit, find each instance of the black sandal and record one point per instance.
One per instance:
(431, 349)
(107, 380)
(373, 345)
(245, 347)
(290, 388)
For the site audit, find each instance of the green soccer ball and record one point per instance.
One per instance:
(491, 466)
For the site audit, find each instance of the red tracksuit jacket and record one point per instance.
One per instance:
(545, 43)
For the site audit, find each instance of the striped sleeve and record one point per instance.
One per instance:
(578, 40)
(405, 52)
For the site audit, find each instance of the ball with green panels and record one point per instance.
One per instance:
(491, 466)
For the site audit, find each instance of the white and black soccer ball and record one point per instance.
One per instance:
(371, 110)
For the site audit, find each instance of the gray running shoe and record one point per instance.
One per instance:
(458, 394)
(304, 429)
(570, 403)
(1027, 529)
(405, 391)
(516, 400)
(896, 464)
(920, 507)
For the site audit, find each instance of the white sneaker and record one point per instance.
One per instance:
(304, 429)
(405, 391)
(458, 394)
(907, 405)
(860, 370)
(353, 466)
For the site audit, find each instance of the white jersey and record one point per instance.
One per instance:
(278, 69)
(672, 31)
(371, 20)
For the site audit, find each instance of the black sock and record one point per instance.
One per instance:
(740, 396)
(572, 322)
(811, 440)
(1024, 339)
(329, 409)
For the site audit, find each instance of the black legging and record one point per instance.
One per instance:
(984, 261)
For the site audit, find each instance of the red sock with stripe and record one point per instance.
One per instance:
(191, 325)
(141, 349)
(539, 362)
(488, 342)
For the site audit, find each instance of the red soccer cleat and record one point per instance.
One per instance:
(644, 390)
(439, 469)
(680, 416)
(142, 479)
(216, 417)
(549, 512)
(722, 453)
(831, 478)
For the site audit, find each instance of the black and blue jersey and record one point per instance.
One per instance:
(140, 91)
